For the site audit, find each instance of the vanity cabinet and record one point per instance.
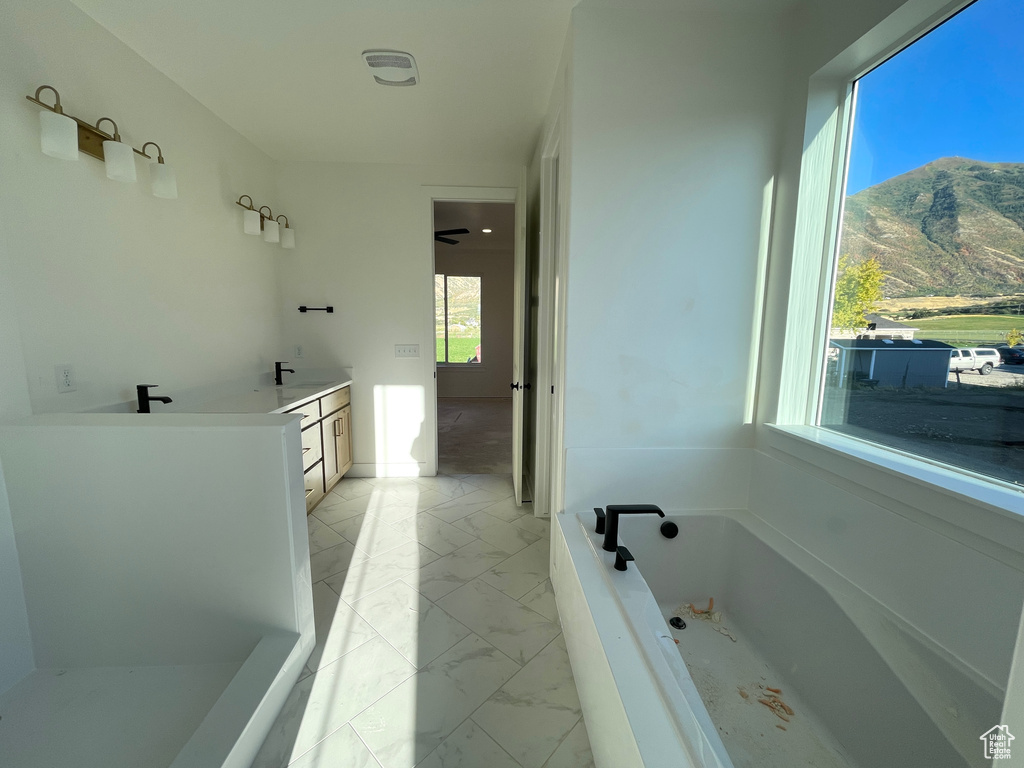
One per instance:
(326, 443)
(337, 435)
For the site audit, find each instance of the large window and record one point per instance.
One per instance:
(926, 342)
(457, 318)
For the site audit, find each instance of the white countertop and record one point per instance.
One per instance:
(269, 398)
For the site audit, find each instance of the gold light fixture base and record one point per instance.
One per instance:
(91, 140)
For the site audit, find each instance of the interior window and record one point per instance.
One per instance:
(457, 318)
(930, 256)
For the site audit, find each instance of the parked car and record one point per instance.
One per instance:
(977, 359)
(1011, 355)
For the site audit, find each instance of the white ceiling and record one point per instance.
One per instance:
(290, 77)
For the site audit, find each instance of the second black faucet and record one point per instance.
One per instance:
(278, 370)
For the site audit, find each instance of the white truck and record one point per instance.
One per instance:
(977, 359)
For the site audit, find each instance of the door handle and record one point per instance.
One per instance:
(514, 385)
(527, 386)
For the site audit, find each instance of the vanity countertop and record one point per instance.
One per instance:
(263, 398)
(270, 398)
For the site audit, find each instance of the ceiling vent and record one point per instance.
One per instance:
(392, 67)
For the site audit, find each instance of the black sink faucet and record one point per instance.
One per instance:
(145, 399)
(278, 370)
(611, 525)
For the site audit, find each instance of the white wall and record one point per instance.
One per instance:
(491, 378)
(364, 244)
(674, 133)
(123, 286)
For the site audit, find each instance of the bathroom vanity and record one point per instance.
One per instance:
(325, 408)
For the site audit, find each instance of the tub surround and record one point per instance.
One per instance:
(155, 603)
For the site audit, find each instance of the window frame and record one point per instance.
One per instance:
(446, 364)
(831, 109)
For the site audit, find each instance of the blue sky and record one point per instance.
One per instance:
(957, 91)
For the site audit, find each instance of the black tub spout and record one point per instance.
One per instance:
(611, 525)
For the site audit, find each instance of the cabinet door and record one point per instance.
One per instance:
(343, 438)
(314, 486)
(332, 469)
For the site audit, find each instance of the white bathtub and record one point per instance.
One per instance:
(649, 701)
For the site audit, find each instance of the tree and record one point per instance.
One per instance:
(1014, 337)
(858, 291)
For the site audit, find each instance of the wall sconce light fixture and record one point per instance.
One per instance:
(64, 136)
(255, 221)
(287, 234)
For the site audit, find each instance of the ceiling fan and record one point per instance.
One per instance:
(440, 235)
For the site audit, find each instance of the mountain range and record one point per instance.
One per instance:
(951, 227)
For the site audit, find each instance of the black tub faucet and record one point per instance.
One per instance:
(145, 399)
(611, 524)
(278, 370)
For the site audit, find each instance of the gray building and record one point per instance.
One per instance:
(892, 362)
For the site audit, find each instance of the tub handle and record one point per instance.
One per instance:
(600, 520)
(622, 556)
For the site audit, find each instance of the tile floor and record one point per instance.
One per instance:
(438, 642)
(474, 434)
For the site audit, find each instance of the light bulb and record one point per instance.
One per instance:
(59, 136)
(251, 222)
(120, 161)
(165, 184)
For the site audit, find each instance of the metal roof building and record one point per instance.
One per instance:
(893, 362)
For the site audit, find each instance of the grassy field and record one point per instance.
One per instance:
(459, 350)
(967, 329)
(968, 323)
(939, 302)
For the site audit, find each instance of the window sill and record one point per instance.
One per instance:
(462, 366)
(985, 506)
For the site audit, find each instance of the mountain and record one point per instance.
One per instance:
(953, 226)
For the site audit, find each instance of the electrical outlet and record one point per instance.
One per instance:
(65, 378)
(298, 350)
(407, 350)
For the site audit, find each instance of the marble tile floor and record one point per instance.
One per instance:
(438, 642)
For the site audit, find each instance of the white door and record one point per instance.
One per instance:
(519, 369)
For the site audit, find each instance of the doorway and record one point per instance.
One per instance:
(475, 335)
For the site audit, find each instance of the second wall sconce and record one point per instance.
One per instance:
(63, 136)
(255, 221)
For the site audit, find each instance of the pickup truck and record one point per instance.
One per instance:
(974, 359)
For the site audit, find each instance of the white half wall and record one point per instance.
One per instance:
(158, 540)
(492, 377)
(125, 287)
(364, 244)
(16, 659)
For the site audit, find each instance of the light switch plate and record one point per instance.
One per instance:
(407, 350)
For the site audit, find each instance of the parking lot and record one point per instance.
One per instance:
(1002, 376)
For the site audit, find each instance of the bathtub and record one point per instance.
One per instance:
(699, 697)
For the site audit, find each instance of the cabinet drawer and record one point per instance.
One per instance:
(314, 486)
(335, 400)
(311, 448)
(310, 412)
